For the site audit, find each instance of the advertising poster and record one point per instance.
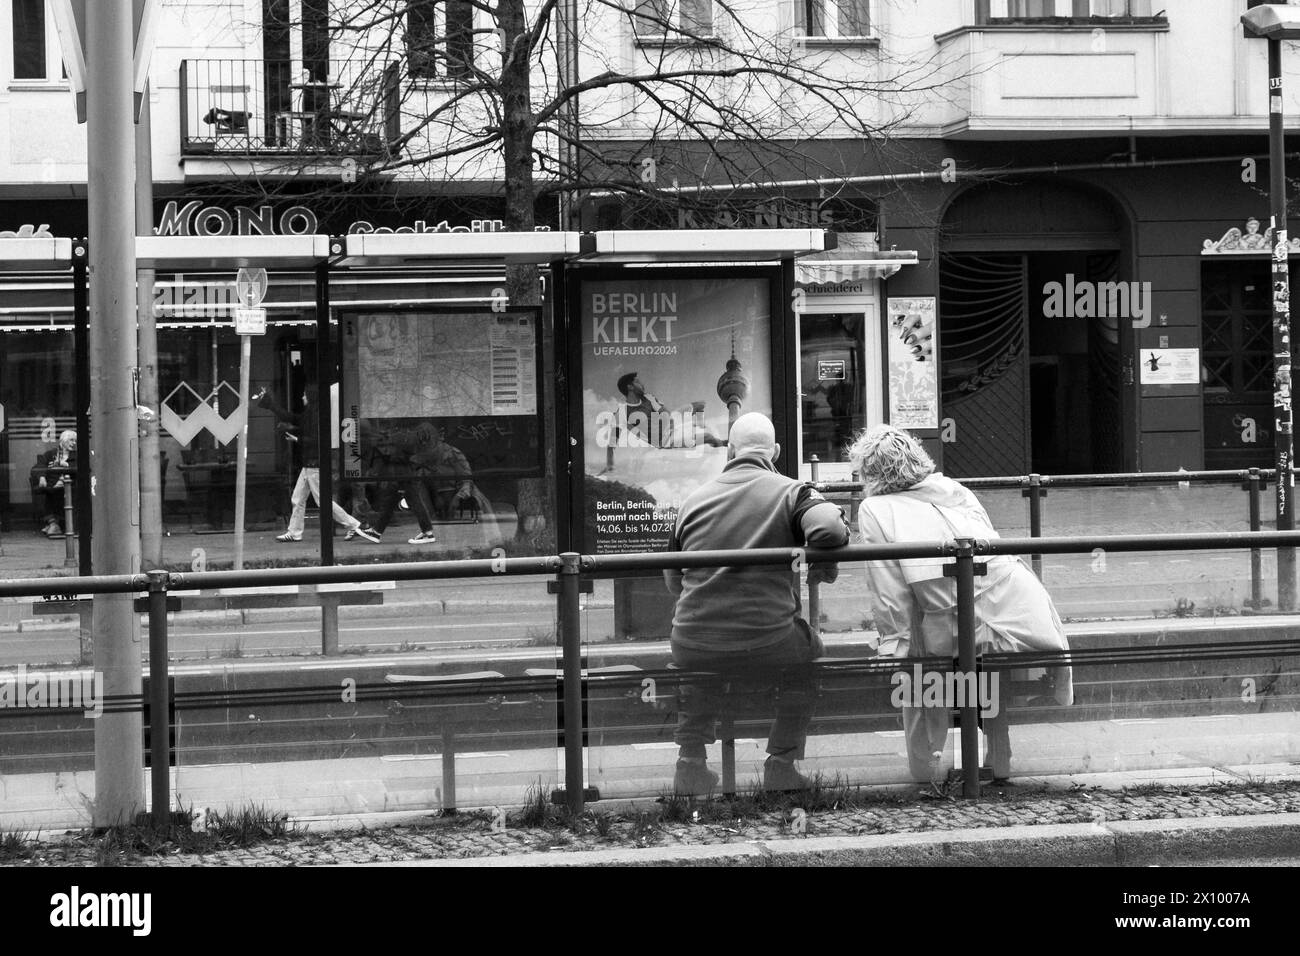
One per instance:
(1171, 366)
(441, 393)
(913, 374)
(667, 364)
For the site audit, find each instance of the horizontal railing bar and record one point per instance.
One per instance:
(1093, 657)
(94, 584)
(1104, 479)
(596, 564)
(360, 573)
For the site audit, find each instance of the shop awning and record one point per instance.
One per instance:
(850, 265)
(219, 253)
(459, 249)
(35, 254)
(711, 246)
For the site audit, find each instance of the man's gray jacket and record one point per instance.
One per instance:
(749, 505)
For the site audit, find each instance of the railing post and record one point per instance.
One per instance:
(159, 701)
(329, 623)
(571, 642)
(1035, 492)
(1252, 487)
(69, 533)
(964, 572)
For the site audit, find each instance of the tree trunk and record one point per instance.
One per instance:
(536, 495)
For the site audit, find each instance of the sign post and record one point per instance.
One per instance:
(249, 321)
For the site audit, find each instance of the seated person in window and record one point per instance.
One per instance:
(52, 473)
(446, 477)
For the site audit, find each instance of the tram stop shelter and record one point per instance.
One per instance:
(706, 319)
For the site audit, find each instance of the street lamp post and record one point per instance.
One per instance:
(1276, 22)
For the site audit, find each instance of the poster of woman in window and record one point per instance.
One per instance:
(913, 375)
(667, 365)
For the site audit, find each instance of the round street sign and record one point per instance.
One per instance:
(250, 285)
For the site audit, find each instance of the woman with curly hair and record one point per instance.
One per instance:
(915, 606)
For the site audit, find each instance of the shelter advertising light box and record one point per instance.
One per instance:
(667, 364)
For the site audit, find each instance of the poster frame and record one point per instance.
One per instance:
(569, 398)
(536, 468)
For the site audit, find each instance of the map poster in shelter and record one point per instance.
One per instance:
(913, 375)
(667, 364)
(434, 390)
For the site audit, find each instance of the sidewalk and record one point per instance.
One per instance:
(1071, 821)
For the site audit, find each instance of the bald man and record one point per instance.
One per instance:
(745, 622)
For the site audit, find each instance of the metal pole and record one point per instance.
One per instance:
(571, 641)
(69, 532)
(1256, 570)
(970, 745)
(241, 450)
(324, 379)
(81, 353)
(113, 464)
(159, 701)
(1035, 494)
(566, 49)
(1286, 559)
(329, 624)
(151, 479)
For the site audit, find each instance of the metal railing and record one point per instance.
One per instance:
(275, 107)
(569, 570)
(1034, 487)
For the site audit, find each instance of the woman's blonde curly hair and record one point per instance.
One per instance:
(888, 459)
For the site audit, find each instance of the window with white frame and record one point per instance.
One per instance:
(992, 10)
(832, 18)
(35, 43)
(440, 38)
(680, 19)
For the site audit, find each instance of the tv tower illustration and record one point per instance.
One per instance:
(733, 386)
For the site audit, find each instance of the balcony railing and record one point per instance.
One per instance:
(270, 107)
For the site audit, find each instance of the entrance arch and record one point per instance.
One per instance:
(1029, 389)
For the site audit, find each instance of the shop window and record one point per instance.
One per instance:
(994, 11)
(673, 19)
(832, 19)
(440, 39)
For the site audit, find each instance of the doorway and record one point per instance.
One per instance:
(1027, 389)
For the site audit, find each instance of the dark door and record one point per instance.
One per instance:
(1237, 364)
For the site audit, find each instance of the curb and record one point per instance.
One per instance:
(1129, 843)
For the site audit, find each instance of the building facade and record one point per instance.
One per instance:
(1053, 256)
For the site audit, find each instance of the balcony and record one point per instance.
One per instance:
(256, 108)
(1044, 69)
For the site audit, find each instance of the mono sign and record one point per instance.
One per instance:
(195, 219)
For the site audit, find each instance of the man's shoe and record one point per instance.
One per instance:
(780, 776)
(363, 532)
(288, 536)
(424, 537)
(693, 779)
